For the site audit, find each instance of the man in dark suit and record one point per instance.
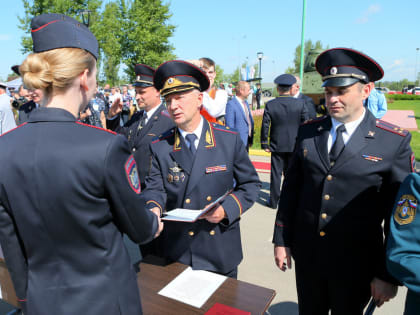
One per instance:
(192, 165)
(309, 103)
(339, 188)
(282, 117)
(140, 130)
(238, 114)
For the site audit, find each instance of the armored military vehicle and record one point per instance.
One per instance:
(312, 83)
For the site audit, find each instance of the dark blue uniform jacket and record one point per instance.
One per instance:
(67, 190)
(140, 139)
(177, 180)
(339, 210)
(281, 120)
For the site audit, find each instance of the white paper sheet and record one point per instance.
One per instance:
(193, 287)
(189, 215)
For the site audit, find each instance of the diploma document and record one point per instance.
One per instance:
(189, 215)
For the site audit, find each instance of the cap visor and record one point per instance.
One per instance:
(340, 82)
(142, 84)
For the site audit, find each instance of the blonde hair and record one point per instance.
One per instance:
(55, 70)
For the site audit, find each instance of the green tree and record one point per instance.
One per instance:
(308, 46)
(110, 37)
(128, 31)
(146, 33)
(221, 77)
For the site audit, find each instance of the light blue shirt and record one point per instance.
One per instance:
(376, 103)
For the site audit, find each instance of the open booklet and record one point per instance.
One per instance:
(189, 215)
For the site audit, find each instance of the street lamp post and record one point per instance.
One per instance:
(260, 57)
(85, 16)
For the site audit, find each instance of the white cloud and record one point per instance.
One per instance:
(396, 64)
(364, 18)
(4, 37)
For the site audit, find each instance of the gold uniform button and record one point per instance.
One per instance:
(212, 232)
(191, 233)
(326, 197)
(208, 198)
(329, 177)
(322, 233)
(324, 216)
(188, 200)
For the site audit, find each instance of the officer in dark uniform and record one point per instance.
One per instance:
(282, 117)
(340, 187)
(192, 165)
(147, 124)
(68, 190)
(403, 247)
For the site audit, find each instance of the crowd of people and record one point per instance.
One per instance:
(100, 167)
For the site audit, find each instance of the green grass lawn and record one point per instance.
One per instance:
(397, 105)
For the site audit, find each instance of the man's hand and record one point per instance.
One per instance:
(216, 215)
(382, 291)
(282, 257)
(267, 150)
(115, 108)
(156, 211)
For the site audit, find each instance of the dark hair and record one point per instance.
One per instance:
(283, 88)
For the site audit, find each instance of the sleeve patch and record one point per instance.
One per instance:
(132, 174)
(413, 163)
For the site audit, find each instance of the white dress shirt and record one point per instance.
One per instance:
(197, 132)
(350, 128)
(215, 107)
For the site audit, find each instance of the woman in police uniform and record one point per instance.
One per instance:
(68, 189)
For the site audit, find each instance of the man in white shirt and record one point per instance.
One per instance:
(7, 121)
(214, 100)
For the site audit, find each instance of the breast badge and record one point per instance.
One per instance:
(176, 175)
(406, 210)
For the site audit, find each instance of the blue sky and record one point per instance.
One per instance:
(233, 31)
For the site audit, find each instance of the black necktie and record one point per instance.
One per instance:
(191, 138)
(338, 145)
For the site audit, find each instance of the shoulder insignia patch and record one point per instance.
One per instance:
(314, 120)
(132, 174)
(391, 128)
(165, 135)
(222, 128)
(406, 210)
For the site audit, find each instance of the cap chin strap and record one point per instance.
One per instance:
(346, 75)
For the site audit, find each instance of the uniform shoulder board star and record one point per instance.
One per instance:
(371, 133)
(391, 128)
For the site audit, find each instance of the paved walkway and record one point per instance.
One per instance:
(258, 264)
